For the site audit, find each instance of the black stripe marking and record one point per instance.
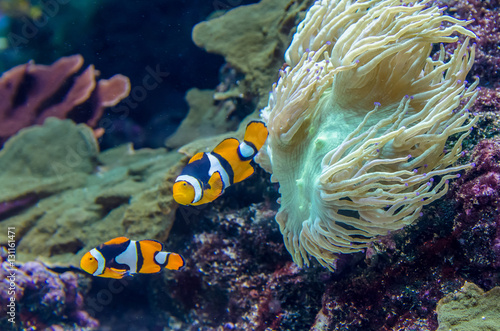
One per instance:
(166, 260)
(226, 166)
(154, 259)
(111, 251)
(198, 169)
(140, 258)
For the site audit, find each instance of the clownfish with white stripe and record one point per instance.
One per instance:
(121, 256)
(207, 175)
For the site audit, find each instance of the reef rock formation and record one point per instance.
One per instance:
(33, 297)
(252, 38)
(64, 197)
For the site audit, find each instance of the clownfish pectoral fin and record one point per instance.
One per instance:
(119, 240)
(227, 147)
(174, 261)
(214, 191)
(242, 171)
(216, 185)
(197, 156)
(113, 273)
(256, 133)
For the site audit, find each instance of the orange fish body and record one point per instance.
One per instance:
(122, 256)
(207, 175)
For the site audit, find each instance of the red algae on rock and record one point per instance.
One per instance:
(478, 198)
(485, 23)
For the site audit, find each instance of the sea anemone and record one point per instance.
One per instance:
(365, 127)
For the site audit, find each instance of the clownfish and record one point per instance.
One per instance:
(207, 175)
(121, 256)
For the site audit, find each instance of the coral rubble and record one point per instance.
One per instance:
(239, 276)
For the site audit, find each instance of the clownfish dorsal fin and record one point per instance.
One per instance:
(116, 241)
(227, 147)
(196, 157)
(150, 244)
(256, 133)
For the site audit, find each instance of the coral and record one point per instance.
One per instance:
(251, 38)
(30, 93)
(357, 148)
(205, 118)
(65, 198)
(487, 106)
(469, 309)
(252, 47)
(43, 298)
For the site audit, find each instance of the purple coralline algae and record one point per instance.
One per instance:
(42, 299)
(239, 277)
(478, 198)
(485, 23)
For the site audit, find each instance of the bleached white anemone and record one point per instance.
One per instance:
(359, 121)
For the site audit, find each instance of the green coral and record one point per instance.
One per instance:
(470, 309)
(66, 198)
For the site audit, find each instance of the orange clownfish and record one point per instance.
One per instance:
(122, 256)
(207, 175)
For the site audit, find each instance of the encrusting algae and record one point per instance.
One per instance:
(359, 120)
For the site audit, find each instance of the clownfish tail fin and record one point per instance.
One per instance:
(171, 261)
(256, 134)
(255, 137)
(175, 261)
